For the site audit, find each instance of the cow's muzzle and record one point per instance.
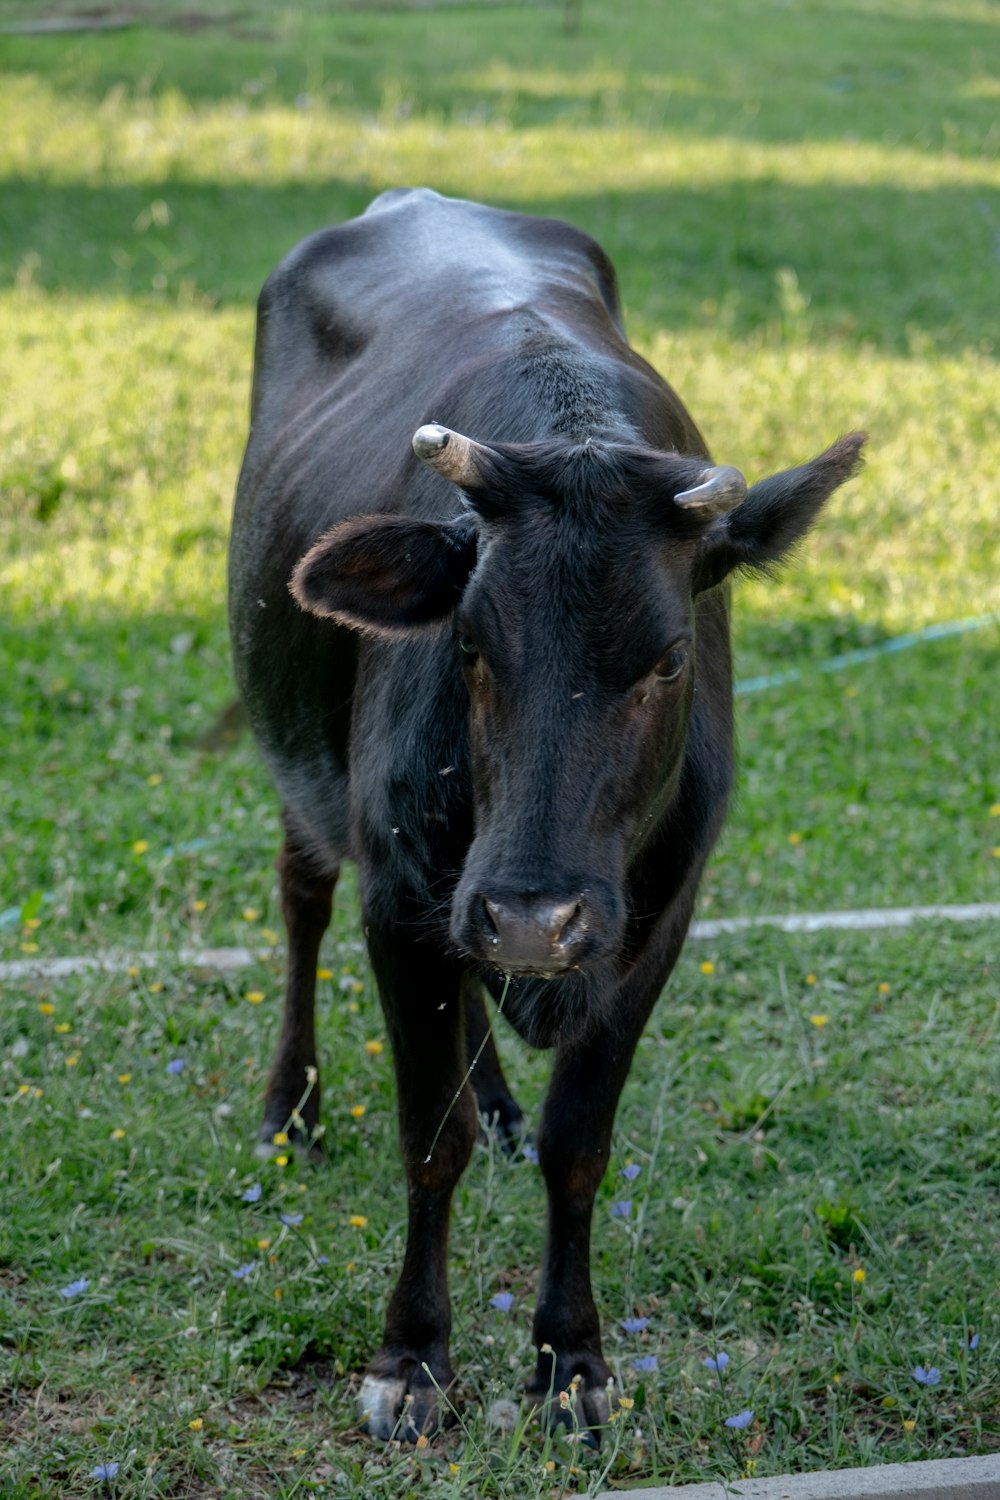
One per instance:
(529, 934)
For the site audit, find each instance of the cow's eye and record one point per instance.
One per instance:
(671, 664)
(468, 648)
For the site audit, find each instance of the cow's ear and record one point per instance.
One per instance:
(775, 515)
(387, 575)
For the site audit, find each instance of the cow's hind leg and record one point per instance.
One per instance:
(401, 1395)
(307, 901)
(494, 1100)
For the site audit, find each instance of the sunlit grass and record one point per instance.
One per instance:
(153, 138)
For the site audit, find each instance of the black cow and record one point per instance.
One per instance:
(499, 681)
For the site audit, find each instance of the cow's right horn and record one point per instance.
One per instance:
(453, 455)
(718, 490)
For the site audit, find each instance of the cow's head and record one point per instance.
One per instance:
(569, 580)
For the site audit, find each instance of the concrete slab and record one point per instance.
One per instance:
(943, 1479)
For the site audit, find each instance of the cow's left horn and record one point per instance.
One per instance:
(453, 455)
(719, 489)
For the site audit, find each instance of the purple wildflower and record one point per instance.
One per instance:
(176, 1065)
(646, 1363)
(530, 1153)
(716, 1362)
(322, 1260)
(75, 1288)
(927, 1375)
(503, 1301)
(243, 1270)
(252, 1193)
(740, 1420)
(973, 1341)
(631, 1171)
(291, 1220)
(634, 1325)
(105, 1471)
(622, 1209)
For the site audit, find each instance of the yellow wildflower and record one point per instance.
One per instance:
(281, 1161)
(29, 947)
(270, 936)
(263, 1244)
(358, 1221)
(63, 1027)
(707, 967)
(909, 1424)
(199, 905)
(280, 1138)
(154, 779)
(24, 1088)
(250, 914)
(255, 996)
(72, 1060)
(794, 838)
(47, 1008)
(819, 1021)
(859, 1275)
(373, 1048)
(140, 846)
(995, 810)
(32, 924)
(278, 1294)
(196, 1424)
(154, 989)
(884, 988)
(810, 979)
(324, 973)
(124, 1077)
(422, 1441)
(357, 1110)
(118, 1135)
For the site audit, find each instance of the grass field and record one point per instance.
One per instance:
(802, 202)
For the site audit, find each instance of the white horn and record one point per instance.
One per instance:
(453, 455)
(719, 489)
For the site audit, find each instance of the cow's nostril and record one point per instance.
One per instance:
(494, 920)
(564, 921)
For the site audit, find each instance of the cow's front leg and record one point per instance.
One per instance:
(306, 902)
(572, 1380)
(401, 1392)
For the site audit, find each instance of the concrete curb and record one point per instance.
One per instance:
(943, 1479)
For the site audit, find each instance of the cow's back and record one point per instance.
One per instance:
(424, 308)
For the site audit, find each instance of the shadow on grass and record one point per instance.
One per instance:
(879, 266)
(807, 72)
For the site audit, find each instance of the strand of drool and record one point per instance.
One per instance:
(469, 1072)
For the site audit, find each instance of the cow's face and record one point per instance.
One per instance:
(569, 585)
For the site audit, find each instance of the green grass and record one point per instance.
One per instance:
(803, 208)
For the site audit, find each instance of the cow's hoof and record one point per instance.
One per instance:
(505, 1126)
(404, 1406)
(276, 1134)
(577, 1398)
